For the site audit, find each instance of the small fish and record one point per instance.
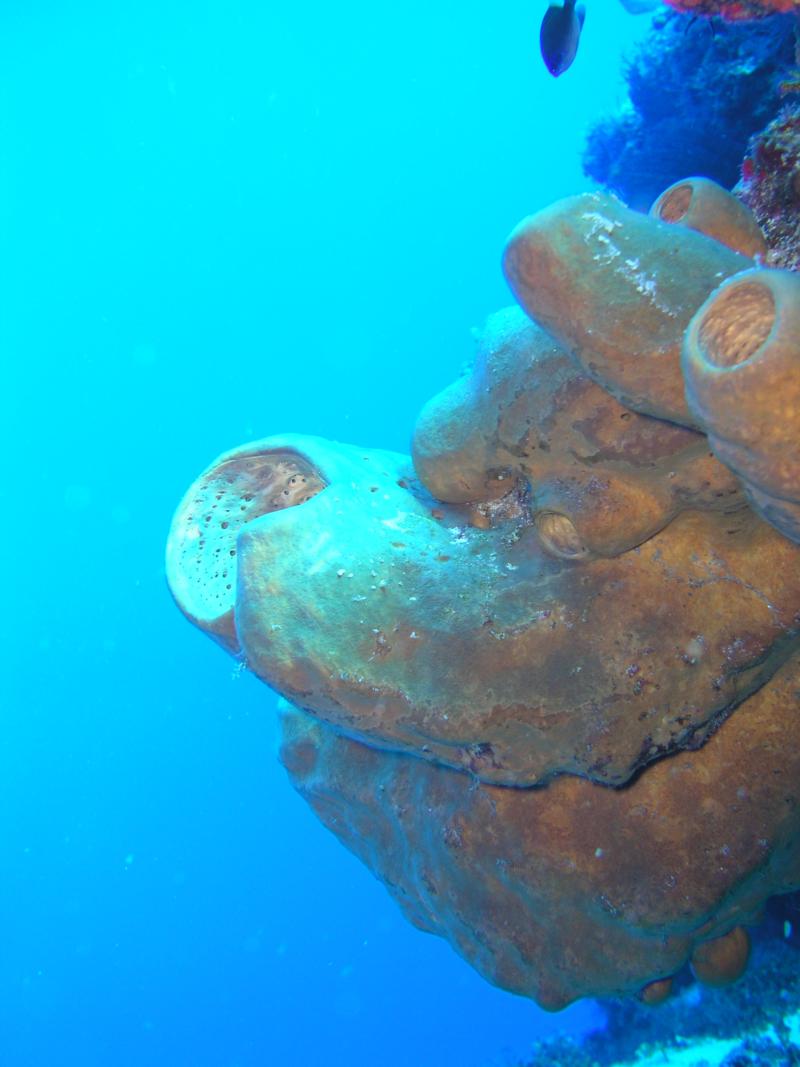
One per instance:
(559, 35)
(640, 7)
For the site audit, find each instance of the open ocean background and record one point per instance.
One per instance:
(221, 220)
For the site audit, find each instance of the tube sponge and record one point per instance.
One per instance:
(741, 361)
(707, 207)
(617, 289)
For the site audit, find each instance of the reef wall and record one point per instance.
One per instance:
(683, 78)
(770, 186)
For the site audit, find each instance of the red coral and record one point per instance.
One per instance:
(770, 186)
(735, 10)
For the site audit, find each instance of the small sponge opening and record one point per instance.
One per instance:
(559, 536)
(675, 203)
(202, 548)
(737, 324)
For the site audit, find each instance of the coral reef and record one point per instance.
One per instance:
(770, 186)
(735, 10)
(545, 681)
(684, 78)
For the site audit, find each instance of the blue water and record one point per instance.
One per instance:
(221, 220)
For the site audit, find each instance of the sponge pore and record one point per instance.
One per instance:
(201, 565)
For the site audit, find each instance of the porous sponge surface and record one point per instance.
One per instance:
(202, 562)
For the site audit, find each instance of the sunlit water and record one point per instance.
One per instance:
(222, 220)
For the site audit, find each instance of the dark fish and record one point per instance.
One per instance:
(559, 35)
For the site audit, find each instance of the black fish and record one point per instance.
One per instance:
(559, 35)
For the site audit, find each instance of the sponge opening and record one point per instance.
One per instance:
(202, 546)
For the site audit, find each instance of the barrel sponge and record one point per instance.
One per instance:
(546, 685)
(617, 289)
(741, 361)
(704, 205)
(576, 889)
